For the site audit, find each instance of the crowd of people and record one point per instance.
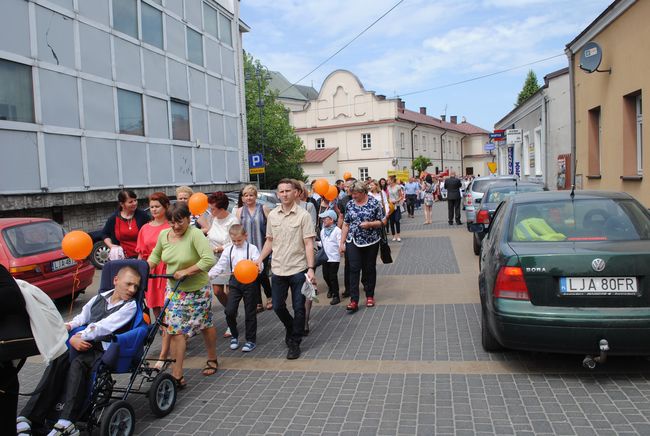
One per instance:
(287, 244)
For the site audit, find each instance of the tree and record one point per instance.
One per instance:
(421, 163)
(283, 149)
(530, 87)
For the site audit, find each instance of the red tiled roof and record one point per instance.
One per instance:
(417, 117)
(320, 155)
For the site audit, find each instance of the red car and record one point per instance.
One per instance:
(30, 248)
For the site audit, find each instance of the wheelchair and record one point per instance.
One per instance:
(107, 407)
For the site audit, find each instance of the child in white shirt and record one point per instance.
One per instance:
(330, 238)
(232, 253)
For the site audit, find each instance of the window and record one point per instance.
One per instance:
(366, 143)
(424, 143)
(180, 120)
(129, 107)
(125, 17)
(435, 144)
(16, 92)
(152, 30)
(401, 140)
(415, 141)
(593, 141)
(320, 143)
(194, 47)
(363, 173)
(225, 29)
(211, 17)
(639, 134)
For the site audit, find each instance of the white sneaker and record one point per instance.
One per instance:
(227, 334)
(399, 239)
(394, 239)
(234, 343)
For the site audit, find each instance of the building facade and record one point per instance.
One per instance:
(99, 95)
(369, 135)
(545, 121)
(293, 97)
(608, 104)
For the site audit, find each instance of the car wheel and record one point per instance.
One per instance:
(99, 255)
(488, 341)
(476, 244)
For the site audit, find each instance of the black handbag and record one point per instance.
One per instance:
(384, 248)
(320, 257)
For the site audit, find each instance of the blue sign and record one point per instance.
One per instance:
(496, 136)
(511, 158)
(256, 160)
(489, 146)
(518, 168)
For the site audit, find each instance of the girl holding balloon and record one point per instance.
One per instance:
(237, 260)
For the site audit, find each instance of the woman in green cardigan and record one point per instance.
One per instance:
(188, 256)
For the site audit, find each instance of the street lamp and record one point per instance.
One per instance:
(260, 75)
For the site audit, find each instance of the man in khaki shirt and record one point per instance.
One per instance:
(290, 235)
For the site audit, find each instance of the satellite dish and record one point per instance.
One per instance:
(591, 57)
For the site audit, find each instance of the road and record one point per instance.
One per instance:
(411, 365)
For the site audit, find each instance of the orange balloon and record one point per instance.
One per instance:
(321, 186)
(331, 193)
(347, 175)
(198, 203)
(77, 245)
(246, 271)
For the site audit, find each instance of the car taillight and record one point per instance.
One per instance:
(469, 198)
(483, 217)
(511, 284)
(25, 272)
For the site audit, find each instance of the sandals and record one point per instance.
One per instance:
(60, 430)
(180, 382)
(259, 308)
(269, 305)
(209, 370)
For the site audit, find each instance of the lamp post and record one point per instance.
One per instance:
(260, 75)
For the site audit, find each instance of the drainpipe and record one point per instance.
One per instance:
(412, 152)
(462, 167)
(545, 142)
(442, 153)
(574, 158)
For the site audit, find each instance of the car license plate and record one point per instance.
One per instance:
(62, 263)
(598, 285)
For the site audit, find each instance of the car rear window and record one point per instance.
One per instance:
(33, 238)
(600, 219)
(498, 194)
(483, 185)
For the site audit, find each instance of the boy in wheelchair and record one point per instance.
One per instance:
(104, 315)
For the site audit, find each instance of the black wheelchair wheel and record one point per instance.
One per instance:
(162, 394)
(118, 419)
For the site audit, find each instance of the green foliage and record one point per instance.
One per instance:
(283, 149)
(421, 163)
(530, 87)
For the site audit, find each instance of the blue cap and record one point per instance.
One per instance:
(328, 213)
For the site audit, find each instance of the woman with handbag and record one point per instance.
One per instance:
(428, 188)
(122, 227)
(396, 198)
(360, 238)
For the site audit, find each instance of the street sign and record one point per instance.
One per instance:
(257, 170)
(514, 136)
(511, 158)
(256, 161)
(489, 146)
(492, 166)
(496, 135)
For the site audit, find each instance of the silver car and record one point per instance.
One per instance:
(475, 191)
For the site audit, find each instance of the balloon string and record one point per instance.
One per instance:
(75, 283)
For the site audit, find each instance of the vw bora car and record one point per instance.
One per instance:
(30, 248)
(567, 273)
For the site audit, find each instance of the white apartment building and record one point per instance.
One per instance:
(96, 95)
(349, 129)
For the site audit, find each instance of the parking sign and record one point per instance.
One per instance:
(256, 160)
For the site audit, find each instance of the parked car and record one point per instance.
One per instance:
(494, 195)
(567, 273)
(475, 192)
(30, 248)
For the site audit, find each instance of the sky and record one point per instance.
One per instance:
(421, 44)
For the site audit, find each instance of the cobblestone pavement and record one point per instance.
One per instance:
(411, 365)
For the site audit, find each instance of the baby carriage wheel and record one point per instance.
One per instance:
(162, 394)
(118, 419)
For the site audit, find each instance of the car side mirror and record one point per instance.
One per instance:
(476, 227)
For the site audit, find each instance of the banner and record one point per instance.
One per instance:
(511, 156)
(402, 175)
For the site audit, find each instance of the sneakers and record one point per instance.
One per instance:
(248, 347)
(352, 307)
(394, 239)
(335, 300)
(64, 430)
(294, 352)
(399, 239)
(227, 334)
(234, 343)
(370, 302)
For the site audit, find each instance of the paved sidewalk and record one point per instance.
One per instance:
(411, 365)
